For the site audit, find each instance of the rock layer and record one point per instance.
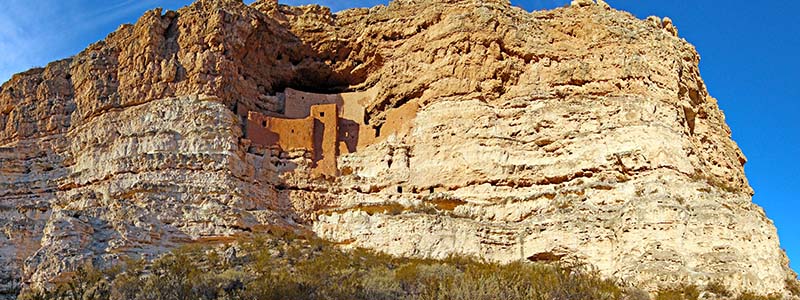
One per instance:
(577, 133)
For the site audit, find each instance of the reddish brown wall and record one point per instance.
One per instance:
(326, 125)
(288, 134)
(298, 104)
(316, 133)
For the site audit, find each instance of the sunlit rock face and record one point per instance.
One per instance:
(452, 127)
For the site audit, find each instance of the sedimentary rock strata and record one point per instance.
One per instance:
(422, 128)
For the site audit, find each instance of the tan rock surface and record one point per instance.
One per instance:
(580, 132)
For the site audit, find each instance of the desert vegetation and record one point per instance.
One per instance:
(285, 265)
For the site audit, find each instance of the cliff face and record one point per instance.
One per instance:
(462, 126)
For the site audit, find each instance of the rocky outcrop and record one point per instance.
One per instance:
(577, 133)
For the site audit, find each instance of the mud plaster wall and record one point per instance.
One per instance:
(298, 104)
(326, 126)
(288, 134)
(352, 135)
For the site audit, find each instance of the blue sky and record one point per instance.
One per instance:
(750, 62)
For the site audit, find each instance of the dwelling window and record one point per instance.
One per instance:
(431, 190)
(322, 114)
(378, 131)
(399, 189)
(346, 134)
(292, 130)
(264, 124)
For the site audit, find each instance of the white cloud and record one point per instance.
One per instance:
(34, 33)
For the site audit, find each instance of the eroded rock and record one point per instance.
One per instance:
(468, 127)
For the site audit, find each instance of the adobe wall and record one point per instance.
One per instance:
(353, 104)
(327, 126)
(298, 104)
(288, 134)
(316, 133)
(353, 134)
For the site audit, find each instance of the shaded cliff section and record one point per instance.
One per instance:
(77, 135)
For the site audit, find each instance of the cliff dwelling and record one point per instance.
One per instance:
(325, 125)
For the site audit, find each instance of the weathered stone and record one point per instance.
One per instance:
(580, 3)
(667, 24)
(467, 127)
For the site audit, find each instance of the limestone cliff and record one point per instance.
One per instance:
(453, 126)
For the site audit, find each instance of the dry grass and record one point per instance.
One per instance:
(289, 266)
(688, 292)
(292, 265)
